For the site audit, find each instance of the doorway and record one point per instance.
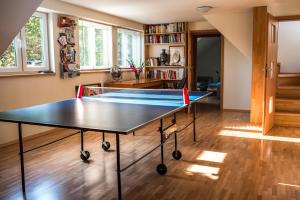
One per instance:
(206, 64)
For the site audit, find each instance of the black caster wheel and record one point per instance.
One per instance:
(161, 169)
(177, 155)
(84, 155)
(105, 145)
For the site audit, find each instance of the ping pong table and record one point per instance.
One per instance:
(109, 110)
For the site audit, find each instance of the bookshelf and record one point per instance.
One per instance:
(163, 36)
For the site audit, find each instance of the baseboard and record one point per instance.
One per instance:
(31, 137)
(235, 110)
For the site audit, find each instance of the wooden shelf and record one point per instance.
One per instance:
(174, 43)
(167, 79)
(167, 33)
(167, 66)
(156, 38)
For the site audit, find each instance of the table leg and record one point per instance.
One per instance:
(103, 136)
(22, 158)
(161, 168)
(161, 142)
(81, 140)
(84, 155)
(118, 167)
(176, 153)
(175, 134)
(194, 122)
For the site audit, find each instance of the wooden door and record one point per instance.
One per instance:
(270, 74)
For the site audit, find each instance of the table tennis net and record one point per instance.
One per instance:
(94, 91)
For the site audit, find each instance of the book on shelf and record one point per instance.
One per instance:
(166, 74)
(173, 38)
(165, 28)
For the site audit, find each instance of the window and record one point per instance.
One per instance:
(95, 43)
(36, 43)
(129, 47)
(29, 49)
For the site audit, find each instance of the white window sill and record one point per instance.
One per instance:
(21, 74)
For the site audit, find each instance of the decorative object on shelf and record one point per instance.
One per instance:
(136, 69)
(163, 57)
(66, 40)
(177, 55)
(116, 73)
(153, 62)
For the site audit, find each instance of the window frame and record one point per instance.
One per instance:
(30, 68)
(108, 46)
(124, 30)
(20, 46)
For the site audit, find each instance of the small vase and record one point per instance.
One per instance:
(137, 76)
(163, 57)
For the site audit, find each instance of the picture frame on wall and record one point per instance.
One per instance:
(177, 55)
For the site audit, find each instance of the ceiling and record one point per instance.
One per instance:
(166, 11)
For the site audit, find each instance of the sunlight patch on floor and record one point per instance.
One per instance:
(291, 185)
(249, 128)
(45, 191)
(210, 172)
(259, 136)
(212, 156)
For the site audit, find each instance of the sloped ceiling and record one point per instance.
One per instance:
(236, 27)
(13, 16)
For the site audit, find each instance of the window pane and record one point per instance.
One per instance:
(94, 45)
(34, 36)
(129, 47)
(83, 46)
(8, 58)
(99, 47)
(120, 48)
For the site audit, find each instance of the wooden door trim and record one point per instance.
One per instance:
(288, 18)
(259, 61)
(192, 35)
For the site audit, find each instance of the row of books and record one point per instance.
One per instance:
(174, 38)
(166, 74)
(164, 28)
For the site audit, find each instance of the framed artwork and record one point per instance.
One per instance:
(176, 55)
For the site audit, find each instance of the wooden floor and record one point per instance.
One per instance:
(230, 160)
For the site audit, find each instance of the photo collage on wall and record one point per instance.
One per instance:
(66, 40)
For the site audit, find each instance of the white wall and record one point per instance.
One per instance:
(237, 78)
(237, 67)
(289, 46)
(21, 91)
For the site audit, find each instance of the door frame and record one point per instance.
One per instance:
(192, 50)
